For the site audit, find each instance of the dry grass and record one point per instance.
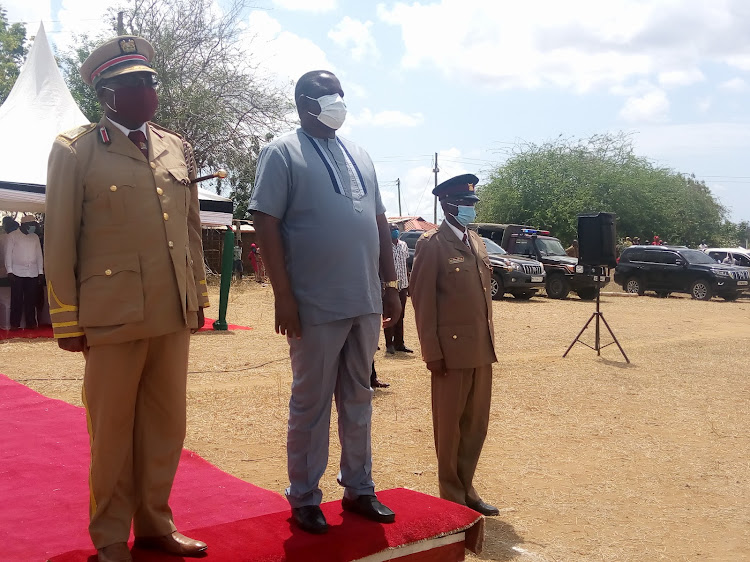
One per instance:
(589, 458)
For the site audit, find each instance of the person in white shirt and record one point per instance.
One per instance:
(25, 266)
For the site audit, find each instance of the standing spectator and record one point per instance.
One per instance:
(657, 241)
(126, 287)
(450, 288)
(25, 267)
(636, 241)
(327, 293)
(237, 265)
(702, 246)
(628, 242)
(8, 226)
(572, 250)
(394, 336)
(254, 262)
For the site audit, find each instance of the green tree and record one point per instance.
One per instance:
(12, 53)
(548, 185)
(209, 90)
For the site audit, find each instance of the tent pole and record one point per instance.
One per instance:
(227, 257)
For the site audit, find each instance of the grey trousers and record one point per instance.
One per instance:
(331, 360)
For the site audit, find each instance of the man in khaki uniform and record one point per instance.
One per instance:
(450, 292)
(126, 284)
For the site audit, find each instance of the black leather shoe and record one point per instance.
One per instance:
(404, 349)
(310, 518)
(369, 507)
(377, 383)
(484, 508)
(390, 350)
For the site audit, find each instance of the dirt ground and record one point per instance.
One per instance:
(588, 458)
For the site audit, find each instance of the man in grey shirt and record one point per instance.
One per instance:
(327, 292)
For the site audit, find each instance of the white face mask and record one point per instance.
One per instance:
(332, 110)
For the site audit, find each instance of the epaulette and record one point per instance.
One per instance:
(161, 128)
(78, 132)
(428, 234)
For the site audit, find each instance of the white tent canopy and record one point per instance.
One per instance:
(38, 108)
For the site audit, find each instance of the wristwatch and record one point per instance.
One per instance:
(391, 284)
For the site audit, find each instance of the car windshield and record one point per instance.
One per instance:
(492, 247)
(550, 247)
(696, 256)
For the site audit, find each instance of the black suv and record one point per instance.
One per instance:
(411, 237)
(519, 276)
(676, 269)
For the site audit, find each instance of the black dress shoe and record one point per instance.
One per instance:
(390, 350)
(404, 349)
(484, 508)
(376, 383)
(369, 507)
(310, 518)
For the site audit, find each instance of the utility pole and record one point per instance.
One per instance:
(434, 203)
(120, 28)
(398, 186)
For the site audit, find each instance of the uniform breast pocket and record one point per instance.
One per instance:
(180, 187)
(106, 198)
(455, 275)
(111, 291)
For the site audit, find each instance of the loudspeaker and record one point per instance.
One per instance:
(596, 239)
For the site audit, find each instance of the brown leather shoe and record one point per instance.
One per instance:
(117, 552)
(176, 543)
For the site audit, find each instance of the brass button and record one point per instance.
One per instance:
(458, 269)
(171, 244)
(153, 166)
(107, 272)
(113, 188)
(160, 191)
(166, 217)
(455, 337)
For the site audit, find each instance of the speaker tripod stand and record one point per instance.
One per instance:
(598, 315)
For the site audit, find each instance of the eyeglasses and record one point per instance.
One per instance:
(133, 80)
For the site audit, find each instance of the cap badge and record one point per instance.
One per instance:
(128, 46)
(471, 187)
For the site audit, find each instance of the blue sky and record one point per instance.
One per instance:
(469, 79)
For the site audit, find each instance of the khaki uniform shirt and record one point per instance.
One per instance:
(123, 253)
(452, 299)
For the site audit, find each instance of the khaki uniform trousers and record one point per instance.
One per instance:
(134, 393)
(460, 416)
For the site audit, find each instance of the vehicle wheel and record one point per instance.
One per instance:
(731, 296)
(701, 290)
(496, 287)
(662, 294)
(587, 294)
(557, 287)
(523, 295)
(634, 285)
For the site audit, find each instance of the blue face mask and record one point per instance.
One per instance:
(466, 214)
(32, 229)
(394, 234)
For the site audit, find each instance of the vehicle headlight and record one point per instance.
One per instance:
(571, 268)
(721, 272)
(516, 266)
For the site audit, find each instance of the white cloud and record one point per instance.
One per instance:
(735, 85)
(577, 46)
(31, 13)
(385, 119)
(355, 33)
(704, 104)
(281, 53)
(306, 5)
(650, 107)
(680, 77)
(77, 17)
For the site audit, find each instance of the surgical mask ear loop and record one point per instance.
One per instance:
(114, 98)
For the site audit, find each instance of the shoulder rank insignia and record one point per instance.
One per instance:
(77, 132)
(459, 259)
(104, 135)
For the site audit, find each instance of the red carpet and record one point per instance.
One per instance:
(43, 470)
(46, 331)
